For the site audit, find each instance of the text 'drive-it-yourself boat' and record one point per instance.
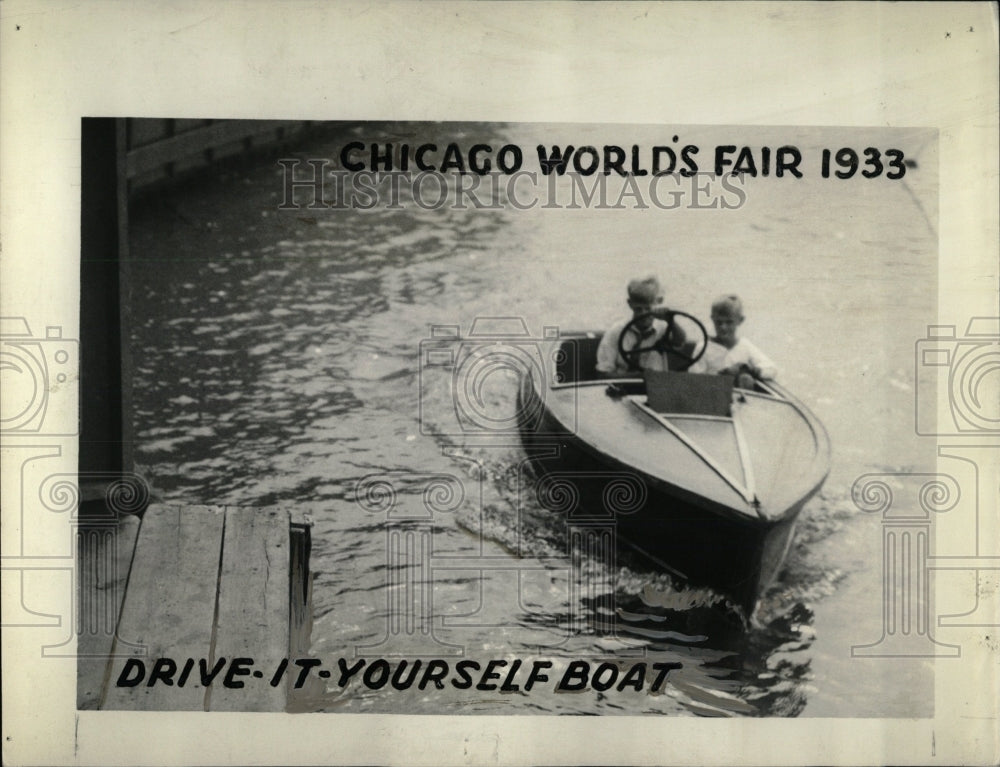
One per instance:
(718, 473)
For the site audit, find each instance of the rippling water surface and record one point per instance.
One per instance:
(278, 361)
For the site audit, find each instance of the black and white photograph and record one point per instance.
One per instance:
(481, 421)
(507, 372)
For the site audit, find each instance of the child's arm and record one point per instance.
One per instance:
(609, 363)
(747, 358)
(760, 364)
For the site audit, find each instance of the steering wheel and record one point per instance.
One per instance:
(631, 356)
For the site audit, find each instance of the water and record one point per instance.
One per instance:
(277, 360)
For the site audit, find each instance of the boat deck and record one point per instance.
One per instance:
(753, 453)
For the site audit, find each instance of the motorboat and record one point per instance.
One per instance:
(703, 478)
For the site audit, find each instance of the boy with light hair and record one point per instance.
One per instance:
(727, 353)
(648, 329)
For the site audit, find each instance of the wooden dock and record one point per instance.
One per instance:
(160, 152)
(197, 588)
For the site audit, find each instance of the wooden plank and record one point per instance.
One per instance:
(103, 562)
(300, 592)
(193, 142)
(146, 131)
(301, 607)
(169, 604)
(253, 615)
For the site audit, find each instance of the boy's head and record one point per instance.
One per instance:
(643, 294)
(645, 291)
(727, 316)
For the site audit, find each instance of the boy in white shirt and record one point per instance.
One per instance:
(648, 328)
(729, 354)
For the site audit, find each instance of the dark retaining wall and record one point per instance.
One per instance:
(122, 161)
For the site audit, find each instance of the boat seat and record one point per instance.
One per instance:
(689, 393)
(577, 360)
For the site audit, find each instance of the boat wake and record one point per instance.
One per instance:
(735, 665)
